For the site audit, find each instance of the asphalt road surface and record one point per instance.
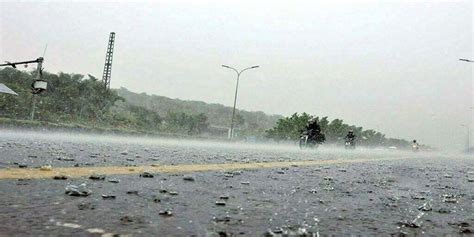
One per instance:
(60, 184)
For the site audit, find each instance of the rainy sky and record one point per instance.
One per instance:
(386, 65)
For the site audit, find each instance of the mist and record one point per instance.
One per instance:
(390, 66)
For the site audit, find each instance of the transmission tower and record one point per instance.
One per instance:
(106, 76)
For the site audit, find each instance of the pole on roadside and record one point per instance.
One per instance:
(38, 85)
(471, 112)
(231, 134)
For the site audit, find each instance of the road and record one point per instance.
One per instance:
(154, 187)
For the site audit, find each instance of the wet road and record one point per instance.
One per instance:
(145, 186)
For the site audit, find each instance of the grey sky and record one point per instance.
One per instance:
(391, 66)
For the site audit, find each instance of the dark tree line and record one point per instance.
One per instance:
(74, 98)
(289, 128)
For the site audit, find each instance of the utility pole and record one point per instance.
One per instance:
(38, 85)
(470, 108)
(107, 74)
(231, 135)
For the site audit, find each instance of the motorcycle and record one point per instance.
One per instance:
(310, 139)
(415, 147)
(350, 143)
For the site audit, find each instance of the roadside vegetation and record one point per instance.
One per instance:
(290, 128)
(85, 102)
(82, 102)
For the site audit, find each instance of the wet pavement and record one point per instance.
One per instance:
(306, 193)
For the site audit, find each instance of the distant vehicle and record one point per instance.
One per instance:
(415, 147)
(350, 143)
(350, 140)
(309, 140)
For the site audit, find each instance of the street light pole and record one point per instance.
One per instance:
(235, 97)
(471, 108)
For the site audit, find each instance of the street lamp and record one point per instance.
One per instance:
(468, 135)
(231, 135)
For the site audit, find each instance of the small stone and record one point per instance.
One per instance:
(220, 203)
(97, 177)
(132, 192)
(245, 183)
(188, 178)
(224, 197)
(113, 180)
(22, 166)
(173, 193)
(46, 168)
(138, 156)
(146, 175)
(280, 172)
(130, 159)
(328, 178)
(313, 191)
(470, 179)
(66, 159)
(77, 191)
(60, 177)
(444, 210)
(105, 196)
(165, 213)
(32, 156)
(155, 165)
(447, 176)
(95, 231)
(342, 170)
(124, 153)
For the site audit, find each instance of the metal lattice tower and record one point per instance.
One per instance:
(106, 76)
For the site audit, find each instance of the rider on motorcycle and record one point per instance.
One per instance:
(350, 139)
(350, 135)
(415, 146)
(313, 128)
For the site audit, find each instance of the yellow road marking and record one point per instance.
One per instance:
(74, 172)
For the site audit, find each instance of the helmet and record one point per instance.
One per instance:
(414, 141)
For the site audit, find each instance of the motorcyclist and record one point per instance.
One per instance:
(415, 146)
(313, 128)
(350, 136)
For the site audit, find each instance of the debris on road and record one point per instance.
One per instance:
(146, 175)
(60, 177)
(77, 191)
(46, 168)
(106, 196)
(97, 177)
